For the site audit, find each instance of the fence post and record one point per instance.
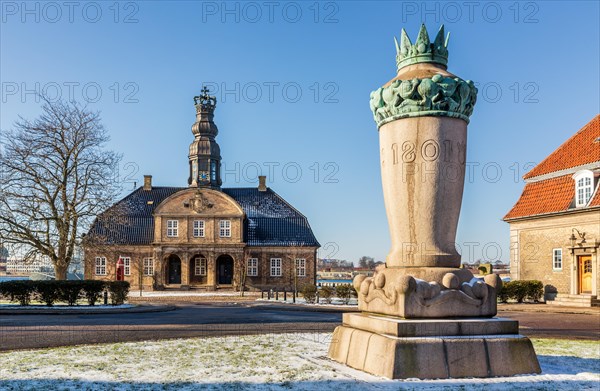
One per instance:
(284, 295)
(277, 295)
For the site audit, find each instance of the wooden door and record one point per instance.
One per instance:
(120, 270)
(585, 274)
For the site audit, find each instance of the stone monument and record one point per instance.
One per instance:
(422, 315)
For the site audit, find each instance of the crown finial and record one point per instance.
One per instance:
(422, 50)
(204, 101)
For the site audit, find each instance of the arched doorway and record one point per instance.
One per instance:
(174, 270)
(224, 270)
(120, 273)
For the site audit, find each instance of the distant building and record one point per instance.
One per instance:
(555, 225)
(202, 236)
(26, 267)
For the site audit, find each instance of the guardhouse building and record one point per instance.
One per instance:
(202, 236)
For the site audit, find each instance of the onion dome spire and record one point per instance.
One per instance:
(205, 154)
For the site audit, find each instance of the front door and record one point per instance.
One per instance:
(224, 270)
(174, 270)
(585, 274)
(120, 270)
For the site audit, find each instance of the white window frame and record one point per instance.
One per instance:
(276, 267)
(225, 228)
(100, 266)
(557, 259)
(252, 267)
(301, 267)
(172, 228)
(148, 266)
(200, 266)
(584, 187)
(198, 228)
(126, 265)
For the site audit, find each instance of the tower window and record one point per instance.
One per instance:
(194, 171)
(213, 170)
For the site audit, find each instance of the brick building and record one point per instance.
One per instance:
(555, 225)
(202, 235)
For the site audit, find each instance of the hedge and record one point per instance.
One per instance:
(520, 290)
(51, 291)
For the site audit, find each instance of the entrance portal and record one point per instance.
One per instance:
(120, 270)
(585, 274)
(174, 270)
(224, 270)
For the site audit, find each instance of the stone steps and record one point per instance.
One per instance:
(575, 300)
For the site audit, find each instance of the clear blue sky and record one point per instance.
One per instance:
(536, 62)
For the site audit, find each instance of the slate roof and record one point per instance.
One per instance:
(270, 220)
(555, 192)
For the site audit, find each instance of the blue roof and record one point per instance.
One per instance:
(270, 220)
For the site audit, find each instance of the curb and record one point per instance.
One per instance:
(302, 307)
(133, 310)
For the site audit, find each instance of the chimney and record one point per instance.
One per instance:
(147, 182)
(262, 183)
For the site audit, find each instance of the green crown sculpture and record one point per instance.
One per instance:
(422, 50)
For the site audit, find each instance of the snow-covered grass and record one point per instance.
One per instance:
(260, 362)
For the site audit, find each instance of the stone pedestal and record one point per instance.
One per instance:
(433, 348)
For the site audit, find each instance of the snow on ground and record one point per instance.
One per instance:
(261, 362)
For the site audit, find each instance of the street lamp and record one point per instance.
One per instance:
(573, 238)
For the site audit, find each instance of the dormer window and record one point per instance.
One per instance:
(584, 187)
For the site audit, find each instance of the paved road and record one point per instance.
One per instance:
(217, 319)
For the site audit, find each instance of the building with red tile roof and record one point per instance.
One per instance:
(555, 224)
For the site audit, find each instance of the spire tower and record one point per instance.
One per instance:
(205, 154)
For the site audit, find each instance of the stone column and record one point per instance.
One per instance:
(185, 268)
(211, 271)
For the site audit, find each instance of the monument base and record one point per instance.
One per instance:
(432, 348)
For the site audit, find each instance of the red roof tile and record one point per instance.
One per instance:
(580, 149)
(548, 196)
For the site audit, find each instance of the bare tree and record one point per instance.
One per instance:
(55, 177)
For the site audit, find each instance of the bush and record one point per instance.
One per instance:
(326, 293)
(92, 291)
(20, 291)
(118, 291)
(344, 292)
(520, 290)
(70, 291)
(309, 292)
(47, 292)
(535, 290)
